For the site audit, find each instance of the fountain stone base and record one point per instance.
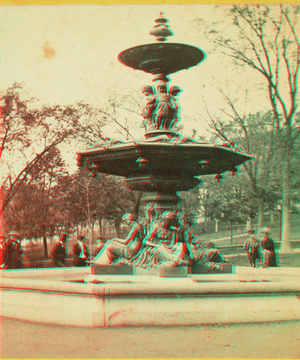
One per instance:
(247, 296)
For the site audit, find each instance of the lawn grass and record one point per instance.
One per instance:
(285, 260)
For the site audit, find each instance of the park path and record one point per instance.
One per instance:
(268, 340)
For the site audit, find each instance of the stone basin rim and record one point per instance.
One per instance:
(165, 302)
(161, 287)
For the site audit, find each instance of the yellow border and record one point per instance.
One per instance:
(133, 2)
(136, 2)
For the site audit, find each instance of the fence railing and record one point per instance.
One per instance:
(238, 249)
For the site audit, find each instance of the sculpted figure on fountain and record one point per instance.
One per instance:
(148, 110)
(163, 240)
(204, 252)
(171, 242)
(163, 244)
(152, 217)
(116, 250)
(162, 109)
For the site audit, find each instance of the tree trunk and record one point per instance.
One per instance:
(101, 230)
(272, 217)
(118, 226)
(286, 205)
(249, 223)
(260, 219)
(100, 227)
(231, 237)
(217, 225)
(45, 247)
(93, 231)
(137, 204)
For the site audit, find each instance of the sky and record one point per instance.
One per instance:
(69, 53)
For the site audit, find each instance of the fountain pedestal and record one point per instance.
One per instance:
(163, 202)
(160, 271)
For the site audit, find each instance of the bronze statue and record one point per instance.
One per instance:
(163, 245)
(204, 252)
(148, 110)
(161, 111)
(117, 250)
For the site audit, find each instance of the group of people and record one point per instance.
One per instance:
(163, 240)
(260, 252)
(10, 251)
(81, 252)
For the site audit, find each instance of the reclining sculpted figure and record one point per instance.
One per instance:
(166, 243)
(204, 252)
(116, 250)
(163, 245)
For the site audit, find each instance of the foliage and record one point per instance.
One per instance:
(89, 199)
(36, 203)
(27, 135)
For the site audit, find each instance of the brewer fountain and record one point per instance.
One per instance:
(160, 164)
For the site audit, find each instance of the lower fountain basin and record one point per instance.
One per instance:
(247, 295)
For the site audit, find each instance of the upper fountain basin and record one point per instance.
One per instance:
(162, 58)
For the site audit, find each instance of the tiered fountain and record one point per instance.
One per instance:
(161, 163)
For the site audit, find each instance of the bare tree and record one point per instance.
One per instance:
(255, 133)
(269, 44)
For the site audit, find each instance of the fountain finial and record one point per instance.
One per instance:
(161, 31)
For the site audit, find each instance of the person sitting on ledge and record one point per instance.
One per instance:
(81, 251)
(268, 249)
(117, 250)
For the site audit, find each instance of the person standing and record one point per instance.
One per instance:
(3, 253)
(59, 251)
(81, 252)
(251, 246)
(268, 248)
(14, 250)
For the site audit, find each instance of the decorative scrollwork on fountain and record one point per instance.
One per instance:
(162, 110)
(105, 143)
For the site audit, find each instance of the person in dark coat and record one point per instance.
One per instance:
(81, 252)
(268, 248)
(14, 250)
(3, 253)
(59, 251)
